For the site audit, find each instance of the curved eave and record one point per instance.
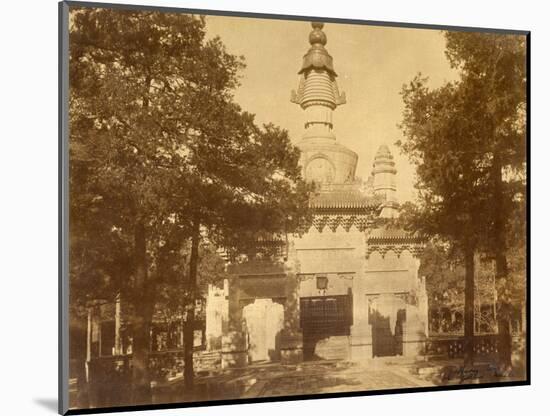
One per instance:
(345, 205)
(416, 240)
(335, 200)
(397, 239)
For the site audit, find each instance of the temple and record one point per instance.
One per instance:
(347, 287)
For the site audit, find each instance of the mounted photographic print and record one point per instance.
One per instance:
(258, 208)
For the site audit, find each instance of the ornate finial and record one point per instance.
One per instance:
(383, 161)
(317, 36)
(383, 152)
(318, 79)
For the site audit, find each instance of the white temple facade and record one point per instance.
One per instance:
(348, 287)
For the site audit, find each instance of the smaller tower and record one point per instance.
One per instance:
(384, 183)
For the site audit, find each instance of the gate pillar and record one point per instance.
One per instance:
(291, 335)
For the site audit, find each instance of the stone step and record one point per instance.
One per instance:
(432, 357)
(332, 348)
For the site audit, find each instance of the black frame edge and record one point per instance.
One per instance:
(528, 210)
(305, 397)
(63, 214)
(338, 20)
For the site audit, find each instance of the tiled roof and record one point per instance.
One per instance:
(349, 199)
(395, 234)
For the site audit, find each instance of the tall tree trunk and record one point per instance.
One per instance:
(141, 325)
(499, 236)
(78, 340)
(469, 308)
(189, 332)
(143, 297)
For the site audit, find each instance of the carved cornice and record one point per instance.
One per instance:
(415, 248)
(332, 219)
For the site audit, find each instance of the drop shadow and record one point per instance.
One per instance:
(48, 403)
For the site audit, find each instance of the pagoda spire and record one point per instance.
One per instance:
(384, 181)
(317, 92)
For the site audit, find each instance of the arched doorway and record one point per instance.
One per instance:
(387, 315)
(264, 321)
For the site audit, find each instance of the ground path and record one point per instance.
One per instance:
(274, 379)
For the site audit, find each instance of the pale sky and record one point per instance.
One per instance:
(372, 64)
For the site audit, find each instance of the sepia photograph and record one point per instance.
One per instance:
(271, 208)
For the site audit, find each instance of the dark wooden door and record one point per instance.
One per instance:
(323, 317)
(387, 341)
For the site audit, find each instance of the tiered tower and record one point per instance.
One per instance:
(318, 91)
(383, 173)
(324, 160)
(348, 286)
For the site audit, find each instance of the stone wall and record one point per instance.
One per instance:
(264, 323)
(389, 284)
(382, 283)
(217, 315)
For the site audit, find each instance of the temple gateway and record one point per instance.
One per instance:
(347, 287)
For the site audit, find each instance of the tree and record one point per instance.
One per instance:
(493, 70)
(445, 286)
(254, 189)
(125, 150)
(467, 140)
(162, 158)
(451, 181)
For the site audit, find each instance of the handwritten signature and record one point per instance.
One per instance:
(463, 373)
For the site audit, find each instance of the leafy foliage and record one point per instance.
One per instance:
(454, 132)
(155, 136)
(162, 157)
(467, 140)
